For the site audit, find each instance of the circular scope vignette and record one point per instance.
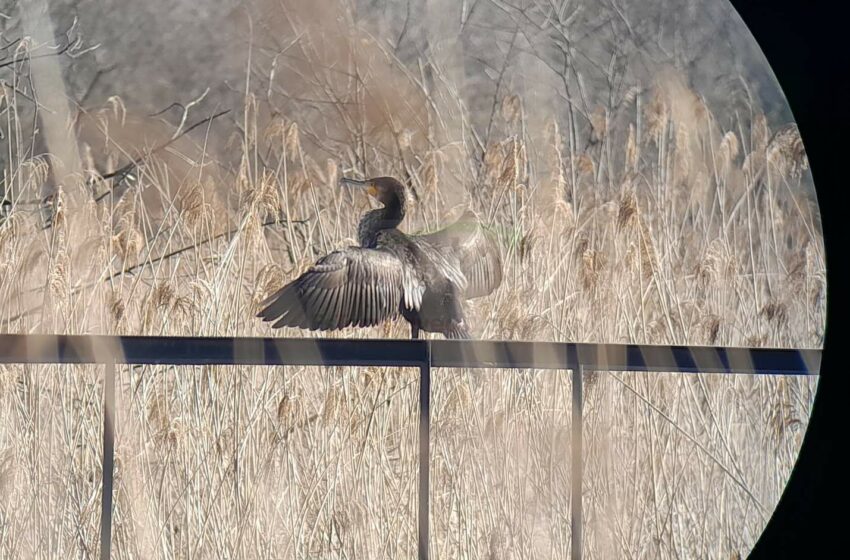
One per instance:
(614, 172)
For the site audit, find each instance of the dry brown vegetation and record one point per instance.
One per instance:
(642, 220)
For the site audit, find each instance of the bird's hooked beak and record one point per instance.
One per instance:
(368, 184)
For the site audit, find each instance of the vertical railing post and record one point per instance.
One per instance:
(576, 459)
(108, 461)
(424, 450)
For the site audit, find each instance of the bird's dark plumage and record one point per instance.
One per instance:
(350, 287)
(422, 277)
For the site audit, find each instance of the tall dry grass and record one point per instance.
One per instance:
(665, 227)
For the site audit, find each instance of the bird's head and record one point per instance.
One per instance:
(386, 190)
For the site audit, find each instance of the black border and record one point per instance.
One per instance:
(806, 45)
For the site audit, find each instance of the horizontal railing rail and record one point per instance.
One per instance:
(103, 349)
(423, 354)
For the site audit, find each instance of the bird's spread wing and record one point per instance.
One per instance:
(475, 251)
(350, 287)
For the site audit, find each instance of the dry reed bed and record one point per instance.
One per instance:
(665, 229)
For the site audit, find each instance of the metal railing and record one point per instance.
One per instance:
(424, 354)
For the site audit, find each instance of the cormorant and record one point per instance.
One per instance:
(425, 278)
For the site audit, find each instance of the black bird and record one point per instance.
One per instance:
(425, 278)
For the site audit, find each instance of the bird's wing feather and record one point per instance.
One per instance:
(474, 249)
(353, 286)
